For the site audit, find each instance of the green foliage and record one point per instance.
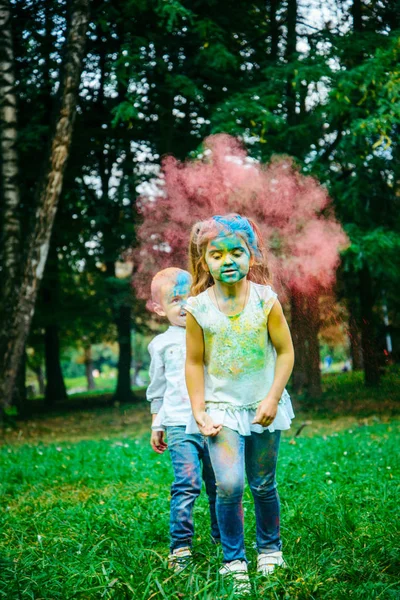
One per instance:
(125, 112)
(379, 248)
(90, 519)
(370, 93)
(216, 56)
(173, 13)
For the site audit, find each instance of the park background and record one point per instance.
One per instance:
(93, 94)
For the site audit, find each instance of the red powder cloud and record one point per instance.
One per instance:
(294, 213)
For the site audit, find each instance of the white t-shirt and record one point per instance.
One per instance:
(167, 390)
(239, 361)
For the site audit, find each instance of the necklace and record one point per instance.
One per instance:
(244, 303)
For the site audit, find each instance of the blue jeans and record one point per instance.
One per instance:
(231, 454)
(191, 463)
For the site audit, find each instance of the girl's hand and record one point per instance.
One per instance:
(266, 412)
(206, 425)
(157, 442)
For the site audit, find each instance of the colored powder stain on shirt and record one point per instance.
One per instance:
(236, 347)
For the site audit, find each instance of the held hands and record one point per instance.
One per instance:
(266, 412)
(206, 425)
(157, 442)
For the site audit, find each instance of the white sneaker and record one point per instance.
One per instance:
(237, 569)
(179, 559)
(266, 562)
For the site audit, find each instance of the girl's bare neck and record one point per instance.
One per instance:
(231, 292)
(231, 299)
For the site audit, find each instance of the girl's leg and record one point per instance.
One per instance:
(261, 455)
(211, 489)
(227, 458)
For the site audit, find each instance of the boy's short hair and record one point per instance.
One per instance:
(169, 275)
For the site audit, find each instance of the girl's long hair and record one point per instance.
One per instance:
(231, 224)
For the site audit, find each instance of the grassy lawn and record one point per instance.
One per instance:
(84, 506)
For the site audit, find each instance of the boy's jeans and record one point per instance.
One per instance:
(187, 452)
(231, 454)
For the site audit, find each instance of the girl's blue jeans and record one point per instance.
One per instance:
(231, 455)
(191, 464)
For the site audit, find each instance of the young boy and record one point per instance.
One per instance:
(171, 411)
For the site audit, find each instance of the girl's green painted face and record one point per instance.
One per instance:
(228, 258)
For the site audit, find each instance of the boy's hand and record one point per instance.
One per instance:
(157, 442)
(206, 425)
(266, 412)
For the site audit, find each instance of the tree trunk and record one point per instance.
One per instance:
(48, 196)
(368, 334)
(91, 384)
(356, 11)
(313, 356)
(55, 386)
(9, 161)
(273, 9)
(19, 393)
(304, 325)
(298, 330)
(123, 392)
(40, 379)
(355, 340)
(290, 55)
(10, 249)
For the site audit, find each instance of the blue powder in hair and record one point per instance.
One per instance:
(182, 282)
(237, 225)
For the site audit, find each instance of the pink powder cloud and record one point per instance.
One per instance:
(303, 244)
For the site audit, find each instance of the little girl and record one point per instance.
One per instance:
(239, 358)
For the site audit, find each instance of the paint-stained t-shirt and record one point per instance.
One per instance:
(167, 390)
(239, 357)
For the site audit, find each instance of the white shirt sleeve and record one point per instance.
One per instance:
(191, 305)
(269, 297)
(158, 383)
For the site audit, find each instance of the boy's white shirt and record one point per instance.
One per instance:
(167, 391)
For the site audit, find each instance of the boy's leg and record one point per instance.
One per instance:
(227, 458)
(261, 456)
(186, 487)
(211, 489)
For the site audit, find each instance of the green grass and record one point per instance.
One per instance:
(89, 518)
(102, 383)
(345, 393)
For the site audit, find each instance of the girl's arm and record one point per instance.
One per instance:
(194, 372)
(281, 339)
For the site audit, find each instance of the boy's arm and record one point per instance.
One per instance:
(281, 339)
(157, 438)
(194, 373)
(155, 395)
(157, 386)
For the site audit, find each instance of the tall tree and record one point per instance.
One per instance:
(13, 333)
(359, 159)
(50, 301)
(10, 237)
